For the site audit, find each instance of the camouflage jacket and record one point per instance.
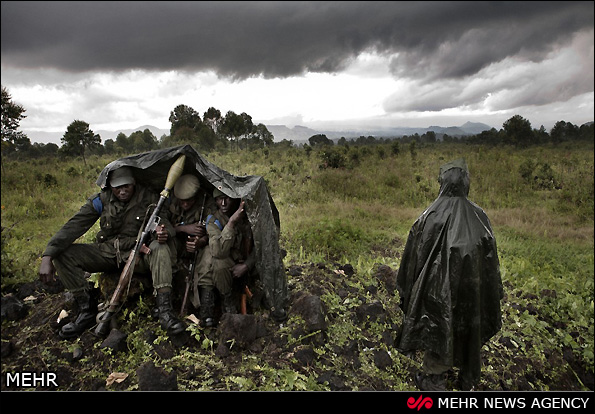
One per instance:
(119, 223)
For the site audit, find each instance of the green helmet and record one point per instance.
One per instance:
(186, 187)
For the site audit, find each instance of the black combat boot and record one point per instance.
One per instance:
(207, 306)
(167, 318)
(85, 319)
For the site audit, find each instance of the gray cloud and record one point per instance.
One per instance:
(430, 40)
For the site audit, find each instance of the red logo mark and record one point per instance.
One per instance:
(420, 402)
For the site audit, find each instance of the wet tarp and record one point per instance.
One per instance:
(151, 168)
(449, 279)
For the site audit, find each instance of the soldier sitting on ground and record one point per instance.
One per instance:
(121, 209)
(228, 258)
(188, 210)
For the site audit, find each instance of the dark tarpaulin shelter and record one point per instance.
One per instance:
(151, 168)
(449, 278)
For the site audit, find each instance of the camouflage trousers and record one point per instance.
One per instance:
(77, 259)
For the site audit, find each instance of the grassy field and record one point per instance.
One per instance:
(539, 199)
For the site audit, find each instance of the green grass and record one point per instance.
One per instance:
(540, 202)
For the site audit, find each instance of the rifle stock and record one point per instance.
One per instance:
(104, 319)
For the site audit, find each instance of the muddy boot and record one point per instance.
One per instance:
(167, 318)
(85, 319)
(207, 306)
(430, 382)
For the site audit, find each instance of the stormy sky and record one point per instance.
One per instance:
(335, 64)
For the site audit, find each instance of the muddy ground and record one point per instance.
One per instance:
(339, 336)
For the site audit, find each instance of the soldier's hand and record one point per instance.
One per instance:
(47, 271)
(144, 249)
(238, 214)
(239, 270)
(191, 244)
(201, 231)
(162, 234)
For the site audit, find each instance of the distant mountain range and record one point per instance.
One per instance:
(296, 134)
(300, 133)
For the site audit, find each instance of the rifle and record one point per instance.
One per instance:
(104, 318)
(192, 264)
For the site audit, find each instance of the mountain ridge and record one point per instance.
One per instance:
(297, 133)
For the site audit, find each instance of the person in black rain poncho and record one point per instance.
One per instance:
(449, 284)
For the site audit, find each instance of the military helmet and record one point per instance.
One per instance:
(186, 187)
(121, 176)
(218, 193)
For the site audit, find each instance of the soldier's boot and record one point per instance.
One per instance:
(167, 318)
(85, 319)
(228, 305)
(207, 306)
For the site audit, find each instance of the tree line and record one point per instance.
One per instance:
(215, 132)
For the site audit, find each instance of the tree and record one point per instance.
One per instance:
(110, 146)
(183, 116)
(260, 137)
(234, 126)
(564, 131)
(518, 131)
(12, 114)
(124, 143)
(78, 138)
(143, 141)
(212, 117)
(319, 139)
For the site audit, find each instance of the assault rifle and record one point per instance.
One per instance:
(192, 264)
(104, 318)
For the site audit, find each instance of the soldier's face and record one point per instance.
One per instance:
(224, 204)
(124, 192)
(187, 204)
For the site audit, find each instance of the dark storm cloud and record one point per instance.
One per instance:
(280, 39)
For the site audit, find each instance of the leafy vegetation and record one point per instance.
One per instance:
(342, 225)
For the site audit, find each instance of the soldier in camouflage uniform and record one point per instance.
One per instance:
(189, 208)
(121, 210)
(230, 255)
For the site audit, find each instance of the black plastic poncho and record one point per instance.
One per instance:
(449, 278)
(151, 168)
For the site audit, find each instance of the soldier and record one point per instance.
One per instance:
(229, 257)
(188, 210)
(121, 210)
(449, 283)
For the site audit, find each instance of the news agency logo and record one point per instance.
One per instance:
(420, 403)
(31, 379)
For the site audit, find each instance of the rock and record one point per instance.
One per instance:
(382, 359)
(369, 311)
(12, 309)
(311, 309)
(347, 269)
(305, 356)
(387, 276)
(240, 330)
(116, 340)
(7, 348)
(152, 378)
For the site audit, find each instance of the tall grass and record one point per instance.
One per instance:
(337, 212)
(539, 200)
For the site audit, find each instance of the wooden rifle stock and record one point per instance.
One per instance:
(103, 319)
